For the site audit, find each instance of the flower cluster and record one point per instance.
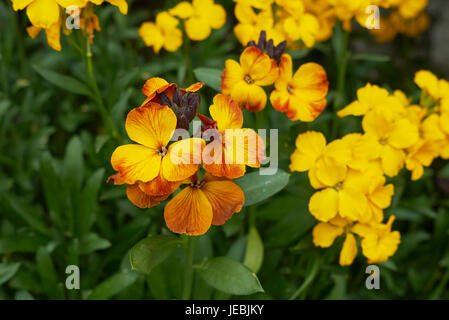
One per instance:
(50, 15)
(200, 17)
(311, 21)
(350, 173)
(154, 168)
(302, 95)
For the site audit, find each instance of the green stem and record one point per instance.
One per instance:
(342, 66)
(188, 268)
(310, 277)
(109, 124)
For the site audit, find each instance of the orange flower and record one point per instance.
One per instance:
(202, 203)
(234, 148)
(155, 168)
(244, 81)
(302, 95)
(141, 199)
(155, 86)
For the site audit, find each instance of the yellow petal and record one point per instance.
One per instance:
(53, 36)
(348, 251)
(249, 96)
(232, 76)
(182, 10)
(392, 161)
(182, 159)
(197, 29)
(352, 204)
(121, 4)
(323, 204)
(20, 4)
(226, 112)
(152, 36)
(43, 13)
(324, 234)
(189, 212)
(404, 134)
(151, 125)
(172, 39)
(135, 162)
(330, 172)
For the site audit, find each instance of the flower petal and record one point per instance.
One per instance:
(152, 125)
(182, 159)
(135, 162)
(324, 234)
(225, 197)
(189, 212)
(140, 199)
(43, 13)
(323, 204)
(226, 112)
(348, 251)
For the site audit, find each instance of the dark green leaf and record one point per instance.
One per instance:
(254, 251)
(229, 276)
(7, 271)
(211, 77)
(65, 82)
(258, 188)
(151, 251)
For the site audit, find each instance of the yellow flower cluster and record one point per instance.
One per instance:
(312, 21)
(50, 15)
(350, 173)
(200, 17)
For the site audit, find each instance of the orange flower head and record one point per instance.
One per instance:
(154, 166)
(155, 86)
(233, 147)
(202, 203)
(301, 96)
(244, 81)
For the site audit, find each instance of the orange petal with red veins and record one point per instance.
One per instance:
(151, 126)
(189, 212)
(226, 112)
(194, 87)
(225, 197)
(140, 199)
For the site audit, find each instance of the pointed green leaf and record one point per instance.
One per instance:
(211, 77)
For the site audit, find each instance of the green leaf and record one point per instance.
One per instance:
(65, 82)
(47, 273)
(21, 243)
(151, 251)
(113, 285)
(7, 271)
(211, 77)
(73, 172)
(370, 57)
(258, 188)
(254, 251)
(92, 242)
(89, 200)
(229, 276)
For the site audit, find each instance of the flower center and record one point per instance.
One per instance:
(338, 186)
(289, 89)
(162, 151)
(248, 79)
(383, 141)
(198, 184)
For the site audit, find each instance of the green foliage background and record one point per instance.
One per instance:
(56, 208)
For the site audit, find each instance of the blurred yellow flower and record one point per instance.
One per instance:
(201, 17)
(164, 33)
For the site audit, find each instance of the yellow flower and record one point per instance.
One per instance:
(379, 243)
(251, 24)
(428, 82)
(302, 95)
(339, 195)
(163, 33)
(42, 13)
(121, 4)
(324, 235)
(53, 35)
(298, 25)
(201, 17)
(411, 8)
(149, 163)
(388, 137)
(244, 81)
